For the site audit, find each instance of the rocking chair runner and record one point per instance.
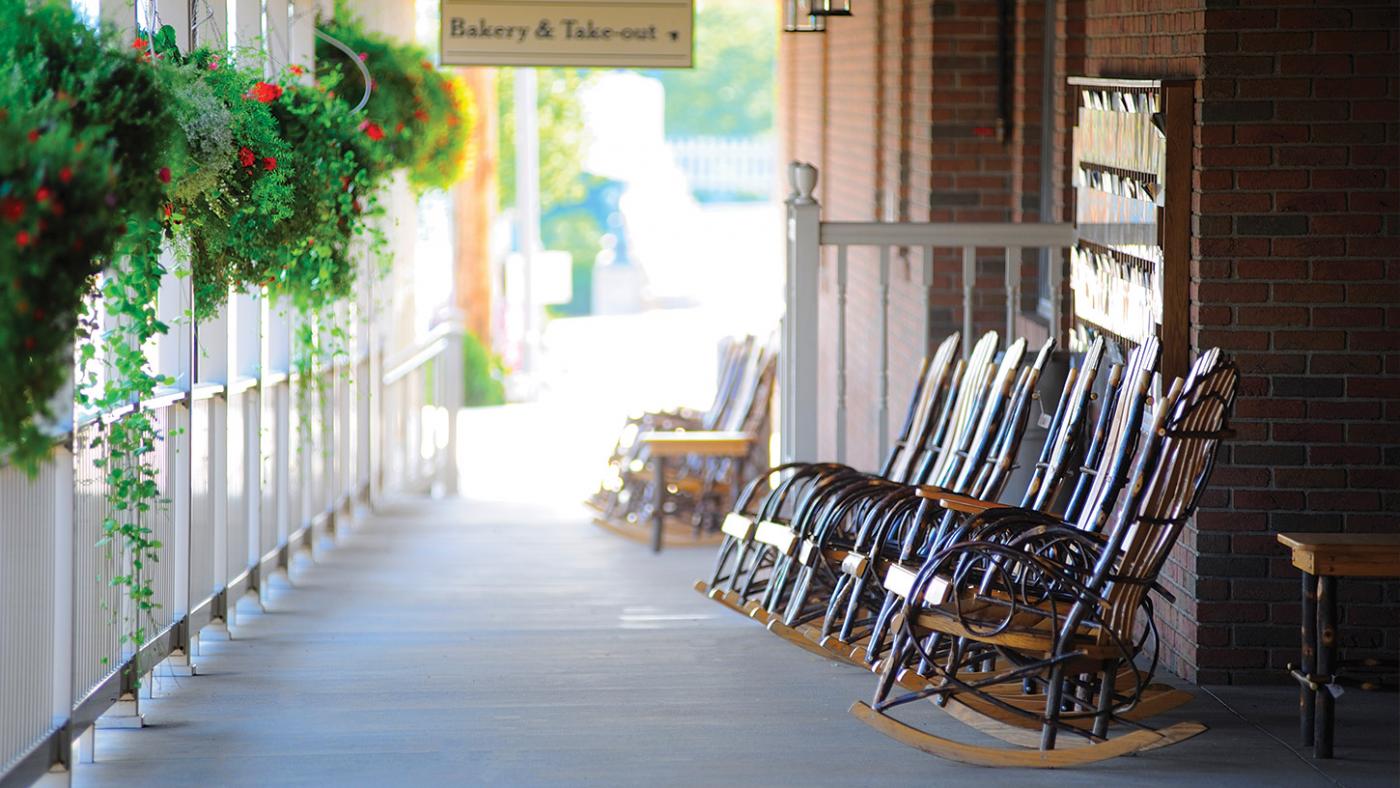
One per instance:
(1058, 605)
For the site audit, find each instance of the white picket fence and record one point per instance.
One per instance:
(731, 166)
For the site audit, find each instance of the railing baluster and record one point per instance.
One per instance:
(841, 281)
(883, 420)
(926, 285)
(969, 282)
(1013, 289)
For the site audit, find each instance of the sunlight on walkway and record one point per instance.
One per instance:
(595, 370)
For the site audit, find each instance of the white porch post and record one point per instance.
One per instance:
(799, 357)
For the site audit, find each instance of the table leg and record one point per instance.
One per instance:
(1308, 629)
(1326, 663)
(658, 501)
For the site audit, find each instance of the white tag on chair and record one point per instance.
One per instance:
(854, 564)
(808, 552)
(900, 580)
(738, 526)
(776, 534)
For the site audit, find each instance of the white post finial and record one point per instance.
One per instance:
(804, 183)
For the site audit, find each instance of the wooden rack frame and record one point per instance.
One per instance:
(1160, 172)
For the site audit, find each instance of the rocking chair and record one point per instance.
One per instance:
(1053, 608)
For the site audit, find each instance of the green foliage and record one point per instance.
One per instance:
(561, 132)
(81, 127)
(335, 169)
(575, 231)
(230, 204)
(483, 373)
(424, 116)
(444, 155)
(113, 153)
(730, 92)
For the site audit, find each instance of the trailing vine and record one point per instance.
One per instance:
(129, 293)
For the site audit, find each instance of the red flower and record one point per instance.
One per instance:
(65, 175)
(164, 175)
(213, 64)
(364, 56)
(11, 209)
(269, 163)
(372, 130)
(42, 195)
(246, 157)
(168, 210)
(296, 70)
(398, 129)
(34, 135)
(420, 115)
(139, 43)
(21, 239)
(265, 92)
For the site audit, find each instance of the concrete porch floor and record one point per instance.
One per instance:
(461, 642)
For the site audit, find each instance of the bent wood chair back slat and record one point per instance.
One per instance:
(1168, 490)
(920, 426)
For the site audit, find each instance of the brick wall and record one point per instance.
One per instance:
(1296, 263)
(1298, 276)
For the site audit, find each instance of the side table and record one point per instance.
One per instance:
(1323, 558)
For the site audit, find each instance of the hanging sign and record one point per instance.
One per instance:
(620, 33)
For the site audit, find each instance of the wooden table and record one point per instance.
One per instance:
(1323, 558)
(687, 443)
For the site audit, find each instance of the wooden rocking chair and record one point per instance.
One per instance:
(1053, 608)
(691, 475)
(1088, 490)
(841, 533)
(626, 451)
(857, 552)
(758, 528)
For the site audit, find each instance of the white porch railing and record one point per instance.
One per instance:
(246, 480)
(280, 485)
(808, 239)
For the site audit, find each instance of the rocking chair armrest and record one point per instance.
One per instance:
(967, 504)
(704, 443)
(932, 492)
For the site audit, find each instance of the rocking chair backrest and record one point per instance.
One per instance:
(1090, 508)
(1063, 433)
(989, 420)
(1171, 474)
(933, 383)
(735, 353)
(962, 420)
(986, 471)
(751, 404)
